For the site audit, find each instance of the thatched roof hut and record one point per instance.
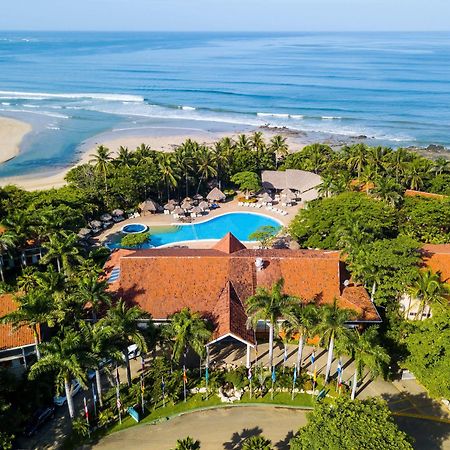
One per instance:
(178, 210)
(117, 213)
(186, 205)
(149, 206)
(106, 217)
(216, 195)
(169, 206)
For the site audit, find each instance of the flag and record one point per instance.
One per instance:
(184, 375)
(315, 375)
(285, 354)
(249, 376)
(274, 376)
(86, 410)
(313, 357)
(119, 405)
(163, 385)
(295, 374)
(206, 374)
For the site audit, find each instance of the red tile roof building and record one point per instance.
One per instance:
(437, 258)
(216, 282)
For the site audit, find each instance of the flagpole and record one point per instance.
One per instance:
(163, 387)
(95, 400)
(142, 393)
(294, 380)
(119, 405)
(184, 382)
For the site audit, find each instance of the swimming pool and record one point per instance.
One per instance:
(240, 224)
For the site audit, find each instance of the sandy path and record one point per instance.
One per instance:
(12, 132)
(215, 429)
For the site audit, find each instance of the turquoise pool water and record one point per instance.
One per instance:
(240, 224)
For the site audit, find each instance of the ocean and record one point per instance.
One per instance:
(393, 88)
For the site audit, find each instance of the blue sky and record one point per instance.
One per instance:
(230, 15)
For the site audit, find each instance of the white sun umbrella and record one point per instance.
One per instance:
(186, 205)
(106, 217)
(94, 224)
(266, 198)
(196, 210)
(169, 206)
(290, 196)
(117, 213)
(203, 205)
(178, 210)
(84, 232)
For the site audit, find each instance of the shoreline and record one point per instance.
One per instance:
(113, 140)
(165, 139)
(12, 133)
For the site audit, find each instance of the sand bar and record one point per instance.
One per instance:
(12, 132)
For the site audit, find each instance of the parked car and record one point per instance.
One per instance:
(41, 416)
(133, 352)
(62, 399)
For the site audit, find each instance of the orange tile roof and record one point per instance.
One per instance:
(437, 258)
(9, 338)
(163, 281)
(411, 193)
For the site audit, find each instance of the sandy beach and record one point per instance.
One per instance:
(12, 132)
(165, 143)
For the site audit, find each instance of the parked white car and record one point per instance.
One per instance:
(62, 399)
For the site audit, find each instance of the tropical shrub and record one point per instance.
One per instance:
(351, 424)
(134, 240)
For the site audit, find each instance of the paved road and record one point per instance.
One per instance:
(217, 429)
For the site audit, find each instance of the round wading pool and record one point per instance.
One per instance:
(134, 228)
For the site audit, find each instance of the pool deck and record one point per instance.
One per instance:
(227, 207)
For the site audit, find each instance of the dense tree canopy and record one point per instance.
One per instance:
(426, 219)
(388, 265)
(351, 425)
(428, 343)
(326, 221)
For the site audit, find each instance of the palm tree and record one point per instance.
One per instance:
(326, 186)
(68, 356)
(185, 159)
(376, 158)
(441, 165)
(243, 143)
(33, 310)
(187, 443)
(429, 290)
(168, 170)
(206, 164)
(303, 322)
(368, 177)
(279, 146)
(101, 160)
(358, 158)
(415, 172)
(187, 329)
(103, 347)
(398, 162)
(124, 321)
(93, 293)
(271, 307)
(8, 241)
(331, 327)
(62, 247)
(366, 352)
(257, 443)
(388, 190)
(124, 157)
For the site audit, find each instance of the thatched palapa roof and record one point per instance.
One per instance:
(216, 195)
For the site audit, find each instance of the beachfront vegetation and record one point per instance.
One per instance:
(348, 424)
(134, 240)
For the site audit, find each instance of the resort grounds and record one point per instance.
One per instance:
(414, 411)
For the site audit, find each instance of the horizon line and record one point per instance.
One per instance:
(219, 31)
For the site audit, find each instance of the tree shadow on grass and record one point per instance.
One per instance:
(237, 439)
(428, 434)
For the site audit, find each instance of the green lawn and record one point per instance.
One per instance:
(197, 402)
